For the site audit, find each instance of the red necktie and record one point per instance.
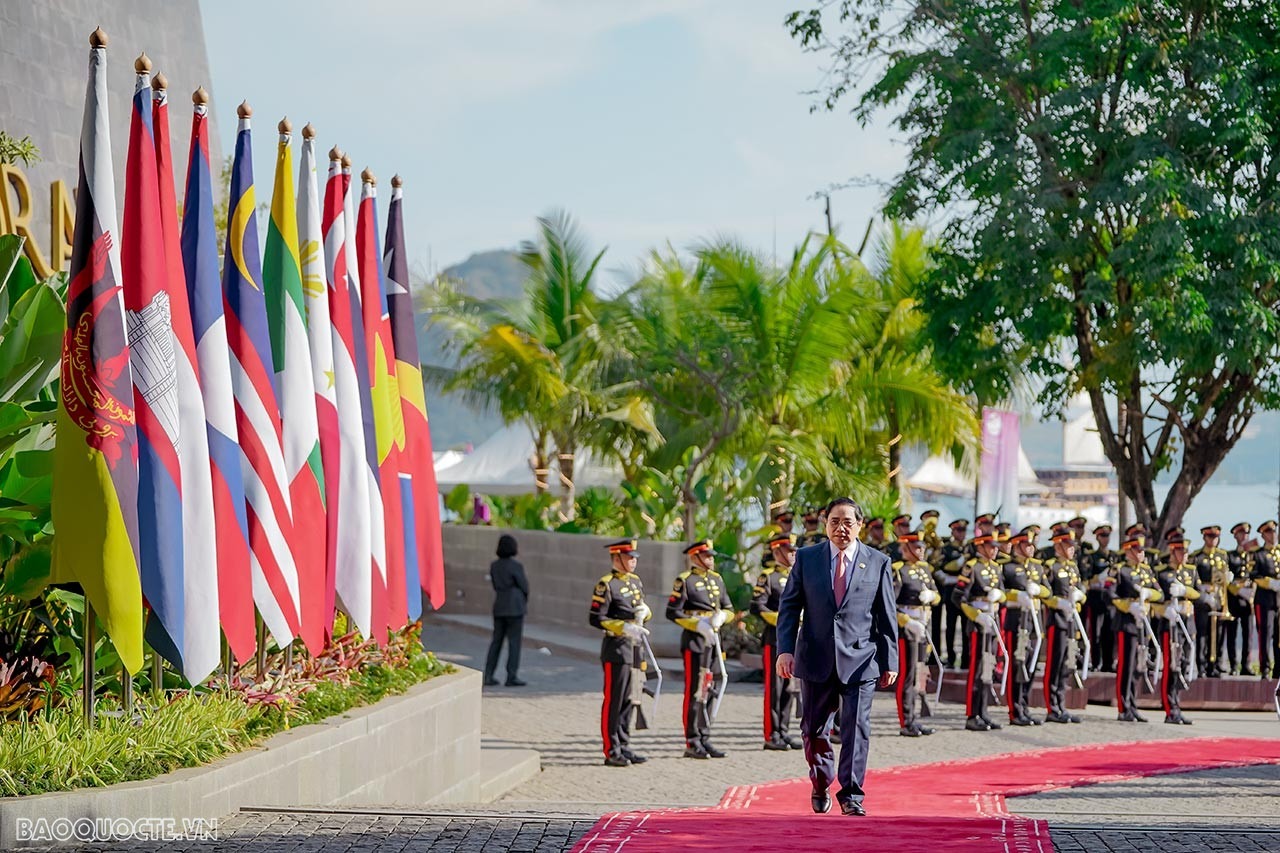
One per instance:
(839, 584)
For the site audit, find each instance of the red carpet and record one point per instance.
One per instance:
(941, 807)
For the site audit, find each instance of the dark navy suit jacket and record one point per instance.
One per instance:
(859, 640)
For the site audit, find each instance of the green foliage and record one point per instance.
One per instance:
(458, 502)
(1106, 179)
(12, 150)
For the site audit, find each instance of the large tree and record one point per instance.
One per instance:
(1106, 181)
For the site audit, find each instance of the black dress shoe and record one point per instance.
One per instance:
(1021, 721)
(821, 802)
(1035, 722)
(712, 751)
(695, 752)
(1126, 717)
(635, 759)
(991, 724)
(1138, 717)
(1184, 721)
(976, 724)
(617, 761)
(1172, 719)
(491, 682)
(1055, 717)
(1074, 719)
(908, 731)
(852, 807)
(924, 730)
(777, 745)
(515, 682)
(794, 742)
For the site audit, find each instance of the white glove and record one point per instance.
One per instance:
(985, 622)
(1231, 578)
(1077, 596)
(928, 596)
(914, 629)
(1066, 604)
(1177, 590)
(643, 613)
(1171, 611)
(995, 596)
(632, 631)
(1023, 599)
(1034, 589)
(705, 629)
(1143, 593)
(719, 618)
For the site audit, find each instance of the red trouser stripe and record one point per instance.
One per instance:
(1164, 678)
(1120, 668)
(768, 692)
(1048, 671)
(902, 680)
(604, 709)
(973, 665)
(1011, 691)
(688, 690)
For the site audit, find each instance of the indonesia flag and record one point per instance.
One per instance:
(420, 495)
(315, 298)
(353, 570)
(384, 390)
(200, 262)
(160, 366)
(266, 483)
(291, 355)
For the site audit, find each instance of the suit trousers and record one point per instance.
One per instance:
(819, 701)
(510, 628)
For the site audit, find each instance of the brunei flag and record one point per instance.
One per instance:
(253, 381)
(95, 479)
(419, 493)
(291, 354)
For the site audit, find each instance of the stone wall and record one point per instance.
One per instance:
(563, 569)
(411, 750)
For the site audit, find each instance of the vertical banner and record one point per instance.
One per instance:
(998, 475)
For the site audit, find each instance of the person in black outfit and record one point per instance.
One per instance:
(510, 601)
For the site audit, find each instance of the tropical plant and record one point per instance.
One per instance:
(12, 150)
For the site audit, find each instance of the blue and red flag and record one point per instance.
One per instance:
(204, 292)
(266, 486)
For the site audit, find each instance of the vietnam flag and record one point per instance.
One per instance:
(95, 478)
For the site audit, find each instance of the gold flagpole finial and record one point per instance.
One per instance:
(335, 154)
(142, 64)
(98, 38)
(244, 110)
(346, 161)
(159, 82)
(200, 96)
(396, 181)
(308, 132)
(285, 126)
(368, 177)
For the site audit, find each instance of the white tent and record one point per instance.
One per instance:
(503, 465)
(938, 474)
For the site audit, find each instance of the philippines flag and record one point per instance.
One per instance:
(200, 262)
(198, 653)
(388, 420)
(354, 569)
(315, 297)
(266, 483)
(421, 498)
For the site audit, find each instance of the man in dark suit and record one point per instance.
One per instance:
(846, 644)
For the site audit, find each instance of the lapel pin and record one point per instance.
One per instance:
(862, 565)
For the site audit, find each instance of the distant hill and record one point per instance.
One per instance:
(495, 274)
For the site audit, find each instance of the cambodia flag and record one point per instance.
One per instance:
(266, 485)
(204, 291)
(387, 418)
(421, 500)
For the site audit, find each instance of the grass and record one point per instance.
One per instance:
(55, 751)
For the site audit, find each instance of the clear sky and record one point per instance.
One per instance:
(652, 121)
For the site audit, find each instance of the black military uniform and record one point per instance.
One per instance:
(1096, 570)
(699, 604)
(948, 560)
(979, 592)
(813, 532)
(1211, 571)
(779, 692)
(901, 525)
(1046, 553)
(1240, 594)
(873, 534)
(618, 608)
(1062, 627)
(1266, 580)
(1175, 626)
(1127, 597)
(916, 594)
(1021, 617)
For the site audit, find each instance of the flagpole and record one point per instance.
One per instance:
(90, 642)
(262, 647)
(157, 674)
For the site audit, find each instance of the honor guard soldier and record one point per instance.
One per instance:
(1212, 575)
(700, 604)
(978, 593)
(1097, 615)
(1175, 626)
(874, 534)
(813, 532)
(948, 560)
(1022, 627)
(1047, 552)
(1240, 594)
(982, 525)
(779, 692)
(1266, 578)
(1131, 596)
(1062, 625)
(901, 526)
(1083, 548)
(1151, 556)
(1169, 536)
(916, 594)
(783, 521)
(618, 609)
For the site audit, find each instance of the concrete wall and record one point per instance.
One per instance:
(411, 750)
(563, 569)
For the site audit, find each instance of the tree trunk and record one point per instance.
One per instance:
(567, 490)
(895, 453)
(540, 464)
